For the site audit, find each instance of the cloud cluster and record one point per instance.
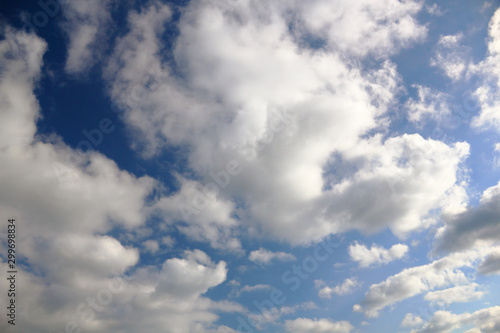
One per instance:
(484, 321)
(476, 224)
(441, 273)
(243, 86)
(69, 261)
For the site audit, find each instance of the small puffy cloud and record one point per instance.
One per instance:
(434, 10)
(247, 288)
(304, 325)
(151, 246)
(168, 241)
(411, 320)
(85, 24)
(191, 276)
(263, 256)
(256, 287)
(376, 255)
(430, 104)
(345, 288)
(457, 294)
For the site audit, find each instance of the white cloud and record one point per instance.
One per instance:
(411, 320)
(263, 256)
(490, 265)
(485, 321)
(362, 22)
(457, 294)
(256, 287)
(85, 24)
(444, 272)
(168, 241)
(489, 71)
(345, 288)
(304, 325)
(151, 246)
(376, 255)
(430, 104)
(451, 56)
(434, 10)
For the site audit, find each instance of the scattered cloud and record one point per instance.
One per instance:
(263, 256)
(473, 226)
(376, 255)
(451, 57)
(85, 25)
(411, 320)
(489, 71)
(346, 287)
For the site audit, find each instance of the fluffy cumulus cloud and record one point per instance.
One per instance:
(263, 256)
(65, 202)
(376, 255)
(250, 90)
(484, 321)
(304, 325)
(441, 273)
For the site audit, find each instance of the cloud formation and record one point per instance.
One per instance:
(376, 255)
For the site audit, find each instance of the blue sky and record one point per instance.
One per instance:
(252, 166)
